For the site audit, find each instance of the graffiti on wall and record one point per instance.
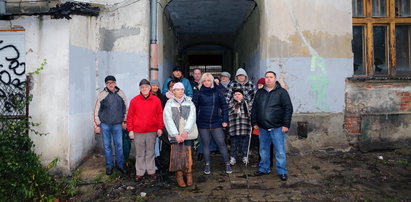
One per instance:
(318, 81)
(12, 77)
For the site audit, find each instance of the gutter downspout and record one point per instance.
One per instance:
(153, 41)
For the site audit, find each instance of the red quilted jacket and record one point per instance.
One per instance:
(145, 115)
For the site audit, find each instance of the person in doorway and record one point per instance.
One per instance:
(212, 116)
(241, 82)
(169, 93)
(260, 83)
(109, 116)
(196, 78)
(177, 76)
(155, 90)
(145, 123)
(225, 81)
(239, 127)
(180, 106)
(271, 114)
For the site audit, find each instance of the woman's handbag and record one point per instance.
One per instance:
(179, 157)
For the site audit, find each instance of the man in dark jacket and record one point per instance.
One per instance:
(109, 114)
(271, 114)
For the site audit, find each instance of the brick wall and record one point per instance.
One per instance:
(367, 96)
(405, 101)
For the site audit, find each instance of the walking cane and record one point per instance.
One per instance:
(249, 143)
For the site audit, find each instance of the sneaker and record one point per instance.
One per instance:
(138, 178)
(109, 171)
(152, 176)
(245, 160)
(283, 177)
(122, 170)
(207, 170)
(259, 173)
(232, 161)
(228, 169)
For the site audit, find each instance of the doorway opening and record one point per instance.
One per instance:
(213, 35)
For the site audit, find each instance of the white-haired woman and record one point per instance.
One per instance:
(212, 116)
(177, 108)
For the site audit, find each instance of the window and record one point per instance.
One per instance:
(215, 70)
(381, 37)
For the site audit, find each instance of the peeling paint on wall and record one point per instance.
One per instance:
(109, 37)
(318, 82)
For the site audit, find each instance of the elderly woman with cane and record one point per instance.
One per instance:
(180, 121)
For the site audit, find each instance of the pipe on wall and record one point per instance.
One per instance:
(2, 7)
(153, 41)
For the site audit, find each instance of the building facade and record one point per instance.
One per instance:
(346, 62)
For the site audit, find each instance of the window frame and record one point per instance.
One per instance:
(368, 21)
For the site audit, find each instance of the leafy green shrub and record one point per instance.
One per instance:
(22, 176)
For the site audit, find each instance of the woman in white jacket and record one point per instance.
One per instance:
(177, 108)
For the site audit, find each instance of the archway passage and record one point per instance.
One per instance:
(206, 34)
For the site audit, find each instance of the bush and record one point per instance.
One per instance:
(22, 176)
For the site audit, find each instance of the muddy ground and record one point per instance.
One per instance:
(353, 176)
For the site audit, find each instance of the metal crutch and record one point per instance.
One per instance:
(249, 143)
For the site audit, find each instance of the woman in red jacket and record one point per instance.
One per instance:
(145, 122)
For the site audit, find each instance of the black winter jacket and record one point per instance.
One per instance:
(272, 109)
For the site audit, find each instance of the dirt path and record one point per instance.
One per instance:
(354, 176)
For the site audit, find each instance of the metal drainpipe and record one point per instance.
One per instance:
(153, 41)
(2, 7)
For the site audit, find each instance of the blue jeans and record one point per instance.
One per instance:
(157, 147)
(115, 130)
(277, 138)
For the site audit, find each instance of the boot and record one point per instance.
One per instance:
(189, 179)
(180, 179)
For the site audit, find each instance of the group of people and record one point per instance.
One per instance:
(208, 109)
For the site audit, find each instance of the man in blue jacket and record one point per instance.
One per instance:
(271, 114)
(177, 76)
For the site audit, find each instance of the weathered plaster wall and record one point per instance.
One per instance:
(313, 55)
(123, 46)
(46, 38)
(82, 85)
(247, 45)
(324, 133)
(122, 49)
(377, 113)
(167, 44)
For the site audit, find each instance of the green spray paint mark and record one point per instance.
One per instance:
(319, 82)
(318, 62)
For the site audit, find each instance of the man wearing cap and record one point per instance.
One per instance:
(109, 113)
(177, 76)
(145, 123)
(241, 82)
(225, 81)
